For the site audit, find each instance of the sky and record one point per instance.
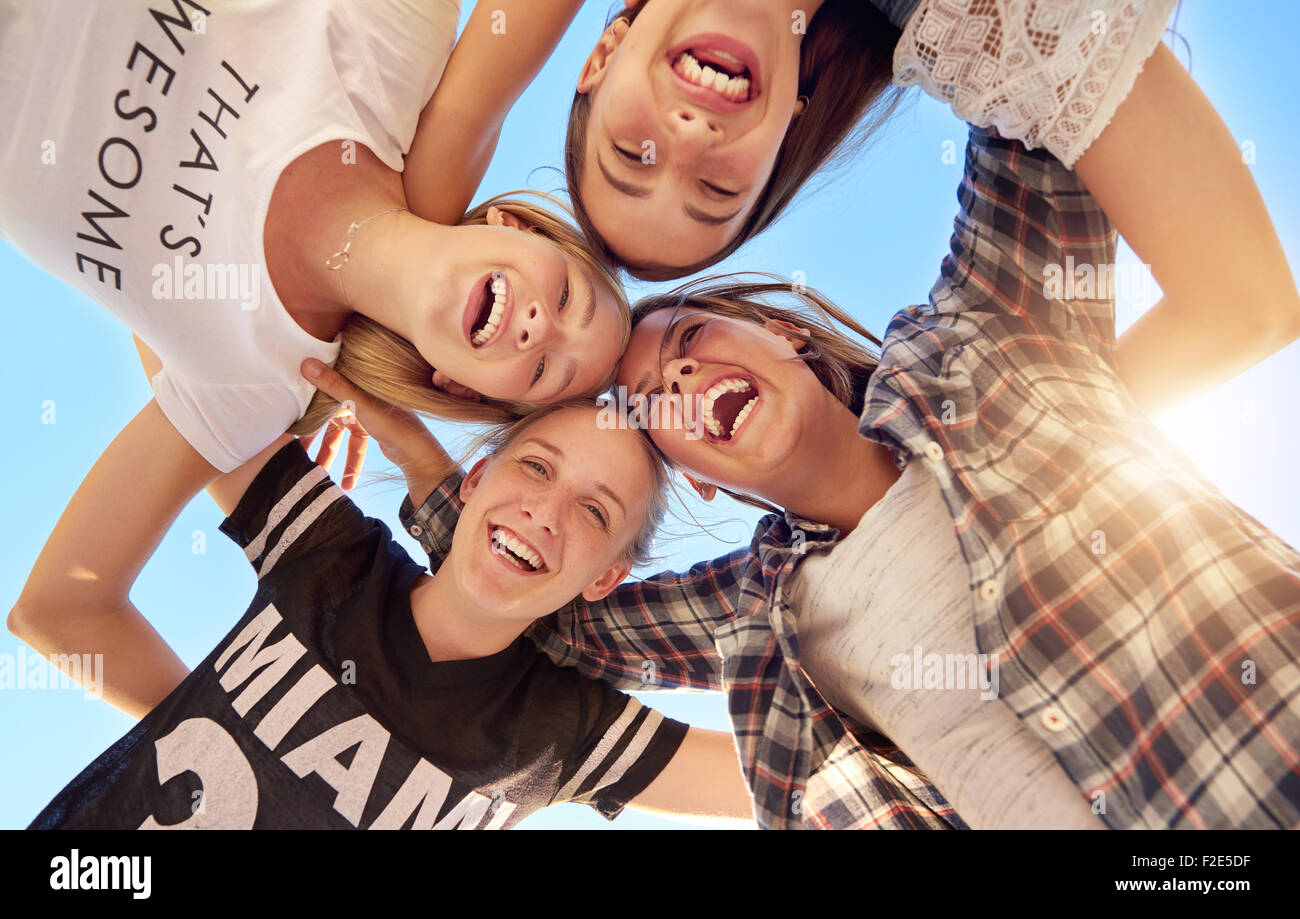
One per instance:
(871, 235)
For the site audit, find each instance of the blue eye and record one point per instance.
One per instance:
(596, 513)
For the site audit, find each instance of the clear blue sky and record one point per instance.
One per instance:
(872, 238)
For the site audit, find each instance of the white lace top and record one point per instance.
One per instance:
(1049, 73)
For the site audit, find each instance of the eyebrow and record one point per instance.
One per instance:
(666, 340)
(591, 303)
(570, 371)
(640, 191)
(559, 453)
(695, 214)
(627, 188)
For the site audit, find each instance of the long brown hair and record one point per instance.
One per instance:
(845, 70)
(840, 363)
(388, 367)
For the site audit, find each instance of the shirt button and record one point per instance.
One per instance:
(416, 529)
(934, 451)
(1053, 719)
(989, 590)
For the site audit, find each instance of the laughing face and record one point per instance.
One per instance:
(741, 395)
(551, 516)
(689, 107)
(516, 319)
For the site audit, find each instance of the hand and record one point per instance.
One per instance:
(401, 434)
(332, 438)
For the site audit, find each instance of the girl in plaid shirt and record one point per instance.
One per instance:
(1160, 671)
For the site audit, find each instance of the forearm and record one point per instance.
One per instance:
(1169, 175)
(1166, 357)
(76, 599)
(503, 47)
(118, 653)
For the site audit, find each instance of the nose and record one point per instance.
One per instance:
(679, 374)
(692, 128)
(535, 327)
(541, 507)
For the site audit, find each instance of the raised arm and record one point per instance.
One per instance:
(504, 45)
(1169, 175)
(76, 599)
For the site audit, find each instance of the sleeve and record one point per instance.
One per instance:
(622, 750)
(433, 523)
(397, 52)
(651, 634)
(1031, 242)
(227, 425)
(1049, 73)
(293, 510)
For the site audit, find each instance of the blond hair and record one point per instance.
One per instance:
(387, 366)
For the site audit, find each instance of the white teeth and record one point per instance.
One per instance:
(735, 88)
(744, 413)
(714, 393)
(484, 335)
(502, 541)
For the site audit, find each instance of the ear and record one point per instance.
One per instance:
(789, 331)
(470, 482)
(706, 490)
(499, 218)
(799, 105)
(600, 588)
(446, 384)
(593, 71)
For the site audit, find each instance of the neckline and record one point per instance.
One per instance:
(325, 351)
(431, 675)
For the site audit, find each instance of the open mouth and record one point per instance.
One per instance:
(515, 551)
(726, 406)
(717, 71)
(488, 311)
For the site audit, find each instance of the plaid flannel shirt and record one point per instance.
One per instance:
(1147, 630)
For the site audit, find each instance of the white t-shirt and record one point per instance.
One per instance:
(886, 634)
(139, 151)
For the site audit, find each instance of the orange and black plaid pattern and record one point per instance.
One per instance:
(1147, 630)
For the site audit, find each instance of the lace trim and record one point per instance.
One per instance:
(1049, 73)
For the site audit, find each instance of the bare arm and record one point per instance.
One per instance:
(504, 45)
(76, 599)
(1169, 175)
(703, 783)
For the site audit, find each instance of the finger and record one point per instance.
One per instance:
(331, 439)
(331, 382)
(358, 442)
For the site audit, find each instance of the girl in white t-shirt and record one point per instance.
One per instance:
(228, 180)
